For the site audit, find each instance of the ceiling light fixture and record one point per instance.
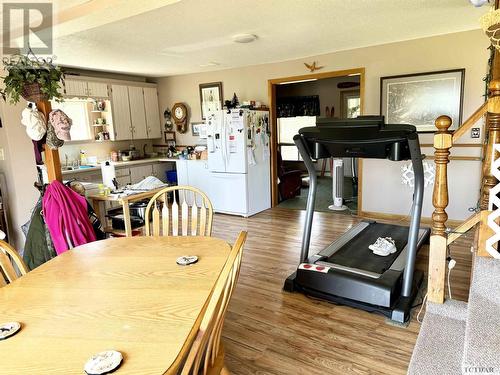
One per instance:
(244, 38)
(299, 81)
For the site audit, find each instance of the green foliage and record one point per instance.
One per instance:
(24, 70)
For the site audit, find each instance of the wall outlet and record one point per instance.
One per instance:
(475, 132)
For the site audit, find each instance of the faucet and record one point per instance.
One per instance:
(66, 159)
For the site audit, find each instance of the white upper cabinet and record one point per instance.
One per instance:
(81, 88)
(97, 89)
(74, 87)
(137, 112)
(122, 123)
(152, 112)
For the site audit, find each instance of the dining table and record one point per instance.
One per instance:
(125, 294)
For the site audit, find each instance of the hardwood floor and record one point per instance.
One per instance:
(269, 331)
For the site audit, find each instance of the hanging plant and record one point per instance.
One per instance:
(490, 23)
(33, 78)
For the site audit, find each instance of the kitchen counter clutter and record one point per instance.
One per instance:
(119, 164)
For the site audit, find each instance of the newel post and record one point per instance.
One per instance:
(438, 242)
(492, 130)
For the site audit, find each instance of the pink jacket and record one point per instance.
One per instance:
(65, 213)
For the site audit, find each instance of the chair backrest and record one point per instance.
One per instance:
(206, 345)
(184, 205)
(7, 272)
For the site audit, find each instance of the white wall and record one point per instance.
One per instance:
(19, 169)
(459, 50)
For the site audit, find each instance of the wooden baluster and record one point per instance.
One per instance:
(164, 215)
(194, 216)
(492, 136)
(156, 220)
(438, 242)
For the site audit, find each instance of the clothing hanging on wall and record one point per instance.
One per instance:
(66, 216)
(38, 248)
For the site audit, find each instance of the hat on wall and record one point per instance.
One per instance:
(61, 123)
(52, 141)
(34, 122)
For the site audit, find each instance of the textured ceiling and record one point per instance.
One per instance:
(159, 38)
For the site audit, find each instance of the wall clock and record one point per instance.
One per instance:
(179, 113)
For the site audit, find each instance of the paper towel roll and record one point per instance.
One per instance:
(108, 174)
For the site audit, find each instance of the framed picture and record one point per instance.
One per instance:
(418, 99)
(169, 136)
(210, 98)
(198, 129)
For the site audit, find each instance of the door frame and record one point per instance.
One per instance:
(271, 84)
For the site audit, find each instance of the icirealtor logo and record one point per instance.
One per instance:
(479, 370)
(27, 26)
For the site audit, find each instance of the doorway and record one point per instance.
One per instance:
(296, 102)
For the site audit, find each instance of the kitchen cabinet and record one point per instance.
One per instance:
(120, 104)
(140, 172)
(97, 89)
(152, 112)
(75, 87)
(160, 169)
(81, 88)
(123, 176)
(137, 112)
(92, 176)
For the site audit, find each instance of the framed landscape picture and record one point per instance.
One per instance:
(418, 99)
(210, 98)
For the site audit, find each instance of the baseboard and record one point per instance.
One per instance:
(402, 218)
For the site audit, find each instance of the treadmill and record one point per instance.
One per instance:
(347, 272)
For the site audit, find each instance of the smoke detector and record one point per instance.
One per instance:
(244, 38)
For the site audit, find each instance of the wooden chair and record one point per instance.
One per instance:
(206, 355)
(7, 272)
(165, 206)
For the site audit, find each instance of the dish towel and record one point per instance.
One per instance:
(65, 214)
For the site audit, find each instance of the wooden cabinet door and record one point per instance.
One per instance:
(122, 124)
(137, 112)
(75, 88)
(97, 89)
(140, 172)
(160, 170)
(152, 112)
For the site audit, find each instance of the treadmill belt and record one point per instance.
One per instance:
(356, 254)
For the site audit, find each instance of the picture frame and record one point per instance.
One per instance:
(198, 129)
(211, 98)
(169, 136)
(418, 99)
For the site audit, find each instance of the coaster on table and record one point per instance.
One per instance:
(103, 363)
(9, 329)
(186, 260)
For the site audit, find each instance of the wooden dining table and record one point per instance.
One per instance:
(124, 294)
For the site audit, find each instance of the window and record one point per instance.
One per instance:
(351, 104)
(288, 127)
(78, 111)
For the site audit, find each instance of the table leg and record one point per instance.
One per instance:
(126, 219)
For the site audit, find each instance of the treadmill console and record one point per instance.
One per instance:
(361, 137)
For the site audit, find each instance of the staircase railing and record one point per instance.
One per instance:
(443, 142)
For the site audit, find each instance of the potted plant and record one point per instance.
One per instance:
(32, 78)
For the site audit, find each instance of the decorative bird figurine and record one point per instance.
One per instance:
(312, 67)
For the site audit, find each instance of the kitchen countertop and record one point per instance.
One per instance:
(120, 164)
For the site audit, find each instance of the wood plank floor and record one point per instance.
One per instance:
(268, 331)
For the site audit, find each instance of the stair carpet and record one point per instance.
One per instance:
(463, 338)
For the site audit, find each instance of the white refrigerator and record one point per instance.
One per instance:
(239, 161)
